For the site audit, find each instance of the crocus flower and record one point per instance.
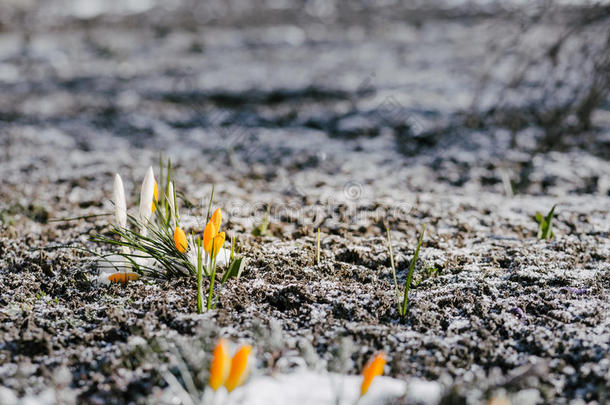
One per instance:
(123, 278)
(208, 236)
(120, 205)
(219, 369)
(219, 240)
(239, 368)
(146, 198)
(216, 218)
(372, 369)
(180, 240)
(212, 239)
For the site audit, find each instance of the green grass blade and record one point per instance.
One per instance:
(77, 218)
(410, 274)
(176, 215)
(392, 264)
(548, 232)
(318, 247)
(207, 216)
(199, 277)
(235, 269)
(168, 214)
(232, 255)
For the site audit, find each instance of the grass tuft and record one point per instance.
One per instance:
(545, 229)
(155, 254)
(402, 308)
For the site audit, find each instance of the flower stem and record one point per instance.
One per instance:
(212, 279)
(199, 276)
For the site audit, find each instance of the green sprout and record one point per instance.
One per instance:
(545, 230)
(263, 228)
(236, 266)
(402, 308)
(429, 272)
(318, 247)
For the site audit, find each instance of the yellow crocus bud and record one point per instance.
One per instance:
(219, 240)
(239, 368)
(156, 197)
(180, 240)
(216, 218)
(219, 369)
(209, 233)
(372, 369)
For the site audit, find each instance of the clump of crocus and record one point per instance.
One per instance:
(212, 243)
(229, 372)
(372, 369)
(154, 243)
(208, 249)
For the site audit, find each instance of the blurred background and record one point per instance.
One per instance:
(307, 97)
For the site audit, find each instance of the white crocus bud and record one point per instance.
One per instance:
(146, 199)
(120, 205)
(172, 204)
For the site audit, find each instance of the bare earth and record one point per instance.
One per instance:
(330, 124)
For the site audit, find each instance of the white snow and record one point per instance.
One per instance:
(310, 388)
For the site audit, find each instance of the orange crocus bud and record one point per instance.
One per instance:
(180, 240)
(209, 233)
(156, 197)
(219, 369)
(219, 240)
(372, 369)
(123, 278)
(216, 218)
(239, 368)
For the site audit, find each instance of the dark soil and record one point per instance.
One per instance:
(294, 118)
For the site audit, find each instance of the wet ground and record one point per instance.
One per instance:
(339, 118)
